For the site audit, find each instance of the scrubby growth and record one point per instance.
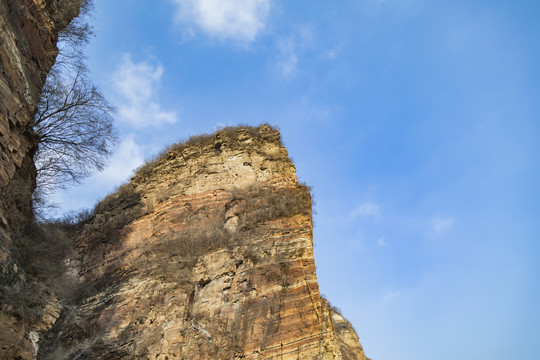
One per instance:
(232, 134)
(63, 11)
(206, 231)
(260, 204)
(45, 248)
(22, 301)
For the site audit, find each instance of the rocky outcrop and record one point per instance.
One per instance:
(206, 254)
(27, 52)
(348, 340)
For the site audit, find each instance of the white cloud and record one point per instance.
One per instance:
(288, 58)
(365, 209)
(381, 241)
(138, 86)
(240, 20)
(291, 48)
(306, 36)
(128, 157)
(440, 224)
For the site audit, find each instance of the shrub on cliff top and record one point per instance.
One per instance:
(231, 132)
(65, 12)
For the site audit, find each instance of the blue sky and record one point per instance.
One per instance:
(415, 121)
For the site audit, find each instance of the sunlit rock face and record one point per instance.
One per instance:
(206, 254)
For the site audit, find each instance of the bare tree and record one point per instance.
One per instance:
(73, 123)
(74, 130)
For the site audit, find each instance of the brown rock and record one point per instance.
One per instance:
(171, 275)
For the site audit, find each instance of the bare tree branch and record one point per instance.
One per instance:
(73, 122)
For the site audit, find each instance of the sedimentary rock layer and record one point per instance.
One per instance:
(206, 254)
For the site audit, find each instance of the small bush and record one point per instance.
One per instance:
(22, 301)
(192, 243)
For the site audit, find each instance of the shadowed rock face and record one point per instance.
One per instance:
(27, 52)
(28, 31)
(206, 254)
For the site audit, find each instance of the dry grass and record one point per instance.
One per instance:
(22, 301)
(231, 134)
(259, 205)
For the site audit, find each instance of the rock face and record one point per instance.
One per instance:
(28, 33)
(206, 254)
(347, 338)
(28, 37)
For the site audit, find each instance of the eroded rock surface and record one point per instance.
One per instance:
(206, 254)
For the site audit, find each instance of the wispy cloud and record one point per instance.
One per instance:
(138, 85)
(291, 48)
(381, 241)
(128, 156)
(287, 59)
(239, 20)
(365, 209)
(440, 224)
(332, 54)
(390, 295)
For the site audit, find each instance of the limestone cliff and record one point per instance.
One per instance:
(206, 254)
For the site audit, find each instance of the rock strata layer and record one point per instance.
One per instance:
(206, 254)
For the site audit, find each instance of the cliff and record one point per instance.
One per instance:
(28, 35)
(205, 254)
(28, 49)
